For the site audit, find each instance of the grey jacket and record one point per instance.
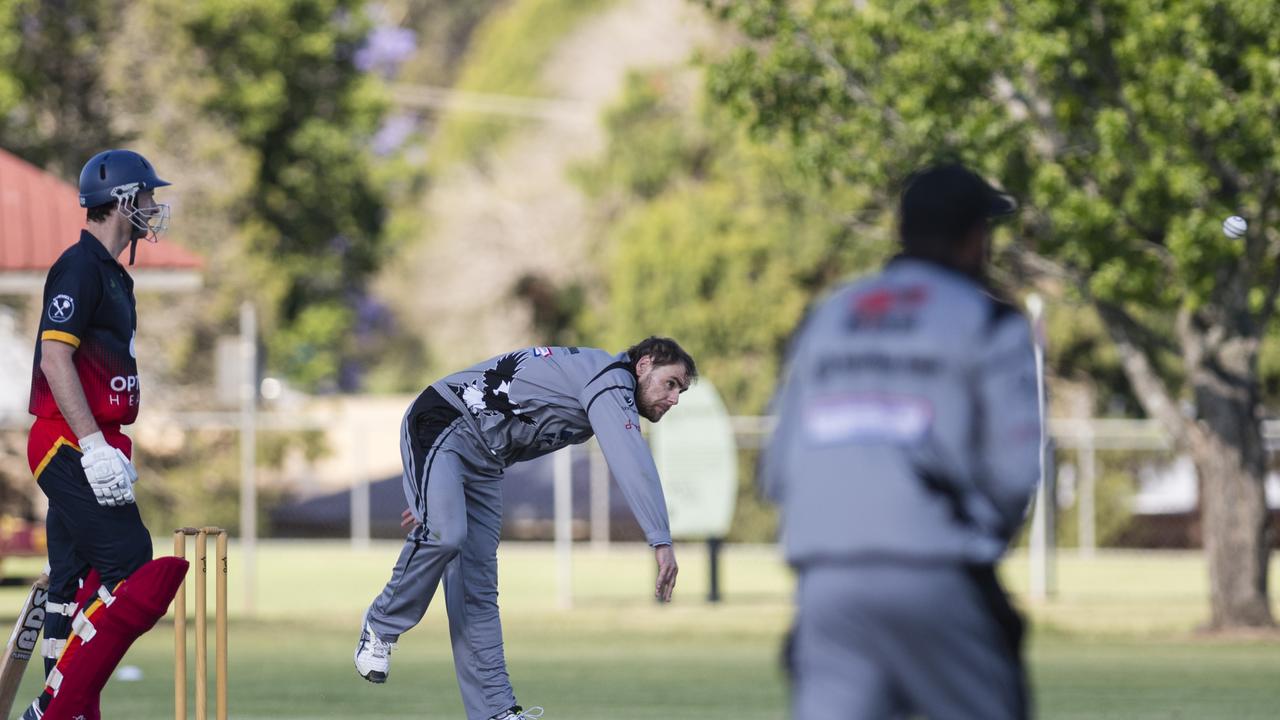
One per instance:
(533, 401)
(909, 422)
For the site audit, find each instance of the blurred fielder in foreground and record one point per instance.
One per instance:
(458, 437)
(906, 452)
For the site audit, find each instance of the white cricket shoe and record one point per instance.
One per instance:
(373, 656)
(519, 713)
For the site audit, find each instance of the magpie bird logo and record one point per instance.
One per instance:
(492, 394)
(61, 308)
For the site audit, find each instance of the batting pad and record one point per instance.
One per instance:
(103, 632)
(87, 594)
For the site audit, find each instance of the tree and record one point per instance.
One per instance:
(55, 111)
(716, 241)
(1130, 129)
(712, 240)
(283, 77)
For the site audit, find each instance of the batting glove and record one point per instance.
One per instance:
(130, 471)
(105, 468)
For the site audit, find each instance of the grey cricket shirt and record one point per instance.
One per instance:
(909, 422)
(534, 401)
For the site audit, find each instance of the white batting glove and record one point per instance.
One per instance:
(130, 471)
(104, 466)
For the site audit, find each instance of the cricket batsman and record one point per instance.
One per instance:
(104, 588)
(458, 437)
(907, 449)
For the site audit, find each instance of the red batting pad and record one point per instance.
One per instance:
(140, 600)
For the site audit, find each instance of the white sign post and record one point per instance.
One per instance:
(697, 459)
(1041, 543)
(563, 500)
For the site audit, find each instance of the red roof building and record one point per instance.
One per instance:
(40, 216)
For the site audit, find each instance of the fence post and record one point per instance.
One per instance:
(360, 523)
(563, 500)
(599, 499)
(1087, 507)
(248, 451)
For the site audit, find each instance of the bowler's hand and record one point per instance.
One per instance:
(667, 569)
(407, 520)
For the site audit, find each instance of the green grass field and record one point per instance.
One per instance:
(1116, 642)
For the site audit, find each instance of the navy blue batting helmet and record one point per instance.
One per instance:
(122, 171)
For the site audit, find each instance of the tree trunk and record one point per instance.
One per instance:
(1227, 447)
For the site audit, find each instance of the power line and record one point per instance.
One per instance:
(428, 97)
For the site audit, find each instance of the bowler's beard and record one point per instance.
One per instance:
(643, 404)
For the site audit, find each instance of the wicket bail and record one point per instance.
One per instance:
(202, 630)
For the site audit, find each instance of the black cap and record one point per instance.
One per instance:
(943, 202)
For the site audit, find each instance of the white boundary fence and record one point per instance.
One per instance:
(1084, 437)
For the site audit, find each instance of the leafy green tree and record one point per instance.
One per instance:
(717, 241)
(10, 87)
(55, 111)
(714, 240)
(1130, 129)
(282, 76)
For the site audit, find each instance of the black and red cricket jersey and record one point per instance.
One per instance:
(88, 304)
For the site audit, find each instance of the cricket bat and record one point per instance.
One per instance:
(22, 643)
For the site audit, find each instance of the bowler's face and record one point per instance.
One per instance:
(658, 388)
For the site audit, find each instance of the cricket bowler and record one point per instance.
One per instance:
(907, 449)
(458, 437)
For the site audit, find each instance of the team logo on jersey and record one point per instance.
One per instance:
(542, 352)
(866, 418)
(887, 308)
(61, 308)
(491, 395)
(113, 289)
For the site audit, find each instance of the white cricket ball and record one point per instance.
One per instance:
(1234, 226)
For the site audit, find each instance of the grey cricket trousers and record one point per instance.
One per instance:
(458, 500)
(881, 640)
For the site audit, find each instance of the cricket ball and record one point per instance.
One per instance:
(1234, 226)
